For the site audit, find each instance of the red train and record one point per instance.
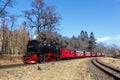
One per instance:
(37, 52)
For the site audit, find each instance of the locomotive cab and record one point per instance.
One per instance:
(34, 48)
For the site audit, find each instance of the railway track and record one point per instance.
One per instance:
(13, 66)
(111, 71)
(22, 65)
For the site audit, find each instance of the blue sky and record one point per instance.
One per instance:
(102, 17)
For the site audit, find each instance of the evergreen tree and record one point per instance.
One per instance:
(92, 43)
(83, 38)
(82, 35)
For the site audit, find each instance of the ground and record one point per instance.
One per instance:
(66, 70)
(76, 69)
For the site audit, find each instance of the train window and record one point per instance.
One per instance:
(79, 52)
(87, 52)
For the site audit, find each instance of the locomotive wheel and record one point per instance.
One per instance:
(41, 58)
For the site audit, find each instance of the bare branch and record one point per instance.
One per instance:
(41, 16)
(5, 5)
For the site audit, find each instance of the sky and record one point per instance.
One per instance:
(102, 17)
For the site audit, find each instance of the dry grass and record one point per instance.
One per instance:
(67, 70)
(112, 61)
(8, 60)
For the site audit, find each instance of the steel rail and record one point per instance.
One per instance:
(114, 72)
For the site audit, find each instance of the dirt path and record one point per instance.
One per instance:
(67, 70)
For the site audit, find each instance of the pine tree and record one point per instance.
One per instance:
(83, 38)
(92, 43)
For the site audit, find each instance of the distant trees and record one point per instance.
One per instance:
(83, 42)
(20, 39)
(113, 50)
(74, 42)
(100, 47)
(13, 42)
(86, 43)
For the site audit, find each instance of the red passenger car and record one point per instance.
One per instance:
(80, 54)
(93, 54)
(87, 54)
(67, 53)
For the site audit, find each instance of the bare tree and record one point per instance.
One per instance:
(51, 18)
(75, 42)
(41, 16)
(101, 48)
(12, 20)
(20, 39)
(13, 42)
(5, 36)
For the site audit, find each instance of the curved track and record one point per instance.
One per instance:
(111, 71)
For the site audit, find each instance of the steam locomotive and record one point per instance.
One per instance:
(38, 52)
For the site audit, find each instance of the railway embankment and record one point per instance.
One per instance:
(75, 69)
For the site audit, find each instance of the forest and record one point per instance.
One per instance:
(44, 19)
